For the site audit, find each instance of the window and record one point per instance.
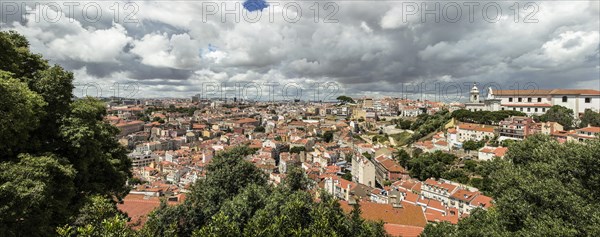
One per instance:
(521, 109)
(514, 109)
(510, 99)
(528, 109)
(520, 99)
(529, 100)
(502, 108)
(536, 109)
(543, 109)
(588, 100)
(564, 99)
(539, 99)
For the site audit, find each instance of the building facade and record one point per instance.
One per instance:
(534, 102)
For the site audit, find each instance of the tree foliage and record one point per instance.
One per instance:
(402, 157)
(21, 109)
(471, 145)
(328, 136)
(542, 188)
(35, 194)
(259, 129)
(235, 200)
(591, 118)
(55, 151)
(297, 149)
(426, 124)
(484, 117)
(560, 114)
(346, 99)
(429, 165)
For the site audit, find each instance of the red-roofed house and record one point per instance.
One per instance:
(584, 134)
(388, 169)
(438, 190)
(488, 152)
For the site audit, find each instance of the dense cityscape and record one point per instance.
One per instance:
(359, 150)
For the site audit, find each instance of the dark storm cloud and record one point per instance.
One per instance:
(369, 49)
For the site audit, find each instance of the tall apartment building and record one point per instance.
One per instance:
(363, 171)
(516, 128)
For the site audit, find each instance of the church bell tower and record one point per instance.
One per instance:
(474, 94)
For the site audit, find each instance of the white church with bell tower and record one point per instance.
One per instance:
(475, 103)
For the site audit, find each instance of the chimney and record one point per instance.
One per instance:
(397, 203)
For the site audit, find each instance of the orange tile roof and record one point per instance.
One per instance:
(246, 120)
(475, 127)
(521, 92)
(435, 204)
(546, 92)
(500, 151)
(436, 216)
(411, 197)
(403, 230)
(464, 195)
(138, 208)
(574, 92)
(482, 201)
(392, 166)
(408, 214)
(590, 129)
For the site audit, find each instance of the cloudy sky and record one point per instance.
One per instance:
(353, 47)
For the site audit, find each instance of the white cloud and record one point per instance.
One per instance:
(370, 50)
(67, 39)
(393, 19)
(180, 51)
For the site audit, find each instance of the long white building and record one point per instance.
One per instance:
(535, 102)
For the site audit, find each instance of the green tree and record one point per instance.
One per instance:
(50, 145)
(484, 117)
(20, 108)
(346, 99)
(441, 229)
(96, 209)
(591, 118)
(296, 179)
(36, 194)
(259, 129)
(328, 136)
(541, 188)
(560, 114)
(347, 176)
(471, 145)
(429, 165)
(256, 208)
(102, 164)
(426, 124)
(297, 149)
(402, 157)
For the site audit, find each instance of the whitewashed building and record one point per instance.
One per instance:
(534, 102)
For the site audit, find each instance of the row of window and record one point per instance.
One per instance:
(521, 99)
(528, 109)
(564, 99)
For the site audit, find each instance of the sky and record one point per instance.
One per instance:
(313, 49)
